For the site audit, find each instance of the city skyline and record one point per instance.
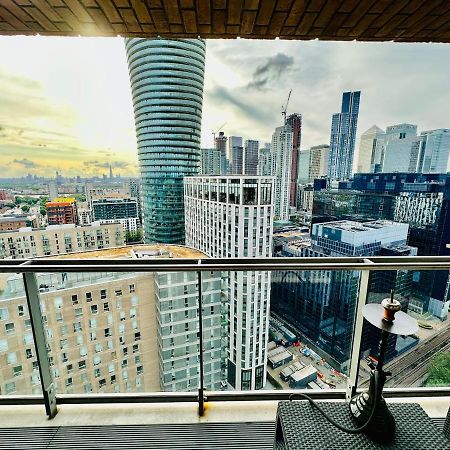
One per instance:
(66, 116)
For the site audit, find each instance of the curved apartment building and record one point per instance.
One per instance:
(167, 86)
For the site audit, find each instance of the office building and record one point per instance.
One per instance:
(114, 332)
(232, 217)
(435, 151)
(281, 154)
(52, 190)
(59, 240)
(342, 140)
(167, 87)
(220, 144)
(320, 304)
(304, 166)
(294, 121)
(124, 210)
(62, 211)
(211, 161)
(421, 200)
(305, 193)
(251, 150)
(265, 161)
(371, 150)
(84, 214)
(134, 190)
(318, 163)
(402, 148)
(235, 156)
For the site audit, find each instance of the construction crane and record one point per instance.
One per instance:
(215, 132)
(284, 108)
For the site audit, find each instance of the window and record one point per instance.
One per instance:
(122, 315)
(82, 364)
(88, 387)
(21, 310)
(17, 371)
(92, 323)
(89, 296)
(63, 343)
(69, 381)
(28, 339)
(11, 358)
(118, 292)
(125, 351)
(27, 323)
(97, 360)
(106, 306)
(107, 332)
(69, 368)
(96, 373)
(94, 309)
(122, 328)
(132, 288)
(139, 370)
(135, 348)
(111, 368)
(58, 301)
(137, 336)
(77, 327)
(98, 347)
(74, 299)
(83, 351)
(64, 357)
(28, 353)
(3, 345)
(59, 317)
(10, 387)
(137, 359)
(132, 313)
(9, 327)
(102, 383)
(124, 363)
(79, 312)
(103, 294)
(113, 379)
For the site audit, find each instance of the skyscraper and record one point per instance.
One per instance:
(265, 161)
(318, 166)
(220, 143)
(402, 148)
(342, 140)
(167, 86)
(211, 160)
(304, 165)
(371, 150)
(232, 217)
(435, 155)
(235, 156)
(251, 157)
(294, 121)
(281, 150)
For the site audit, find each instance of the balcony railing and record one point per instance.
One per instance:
(30, 269)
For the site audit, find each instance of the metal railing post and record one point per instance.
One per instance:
(357, 335)
(40, 343)
(201, 389)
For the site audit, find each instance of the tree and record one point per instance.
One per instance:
(25, 208)
(440, 370)
(43, 210)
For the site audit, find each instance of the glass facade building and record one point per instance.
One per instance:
(167, 86)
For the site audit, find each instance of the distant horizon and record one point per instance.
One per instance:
(65, 103)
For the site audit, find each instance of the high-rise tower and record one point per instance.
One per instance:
(167, 86)
(342, 140)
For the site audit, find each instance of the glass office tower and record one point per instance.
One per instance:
(167, 86)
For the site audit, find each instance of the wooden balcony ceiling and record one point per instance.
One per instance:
(365, 20)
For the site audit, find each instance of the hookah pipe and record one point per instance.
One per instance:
(369, 409)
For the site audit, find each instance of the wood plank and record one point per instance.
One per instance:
(12, 19)
(15, 10)
(335, 24)
(78, 11)
(70, 18)
(277, 23)
(204, 29)
(218, 21)
(100, 19)
(172, 11)
(421, 25)
(283, 5)
(248, 22)
(160, 20)
(110, 11)
(316, 5)
(41, 19)
(121, 3)
(297, 11)
(265, 12)
(219, 4)
(187, 4)
(190, 20)
(386, 30)
(204, 12)
(390, 12)
(130, 20)
(5, 26)
(326, 14)
(348, 6)
(63, 27)
(119, 27)
(90, 3)
(306, 23)
(56, 3)
(358, 13)
(176, 28)
(234, 12)
(233, 30)
(146, 28)
(287, 31)
(156, 4)
(251, 4)
(141, 11)
(47, 10)
(430, 6)
(379, 6)
(362, 25)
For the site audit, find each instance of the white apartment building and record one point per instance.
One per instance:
(232, 217)
(318, 166)
(371, 150)
(281, 149)
(59, 239)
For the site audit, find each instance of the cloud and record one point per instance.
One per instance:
(26, 163)
(105, 165)
(271, 71)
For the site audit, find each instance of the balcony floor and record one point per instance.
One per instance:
(226, 425)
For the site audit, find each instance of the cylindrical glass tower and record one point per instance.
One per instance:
(167, 86)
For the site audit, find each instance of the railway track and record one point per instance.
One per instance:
(413, 366)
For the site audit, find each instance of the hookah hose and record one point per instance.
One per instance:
(346, 430)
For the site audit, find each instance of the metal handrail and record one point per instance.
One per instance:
(223, 264)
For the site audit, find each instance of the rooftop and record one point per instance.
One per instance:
(357, 227)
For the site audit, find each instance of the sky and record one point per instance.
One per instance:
(65, 103)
